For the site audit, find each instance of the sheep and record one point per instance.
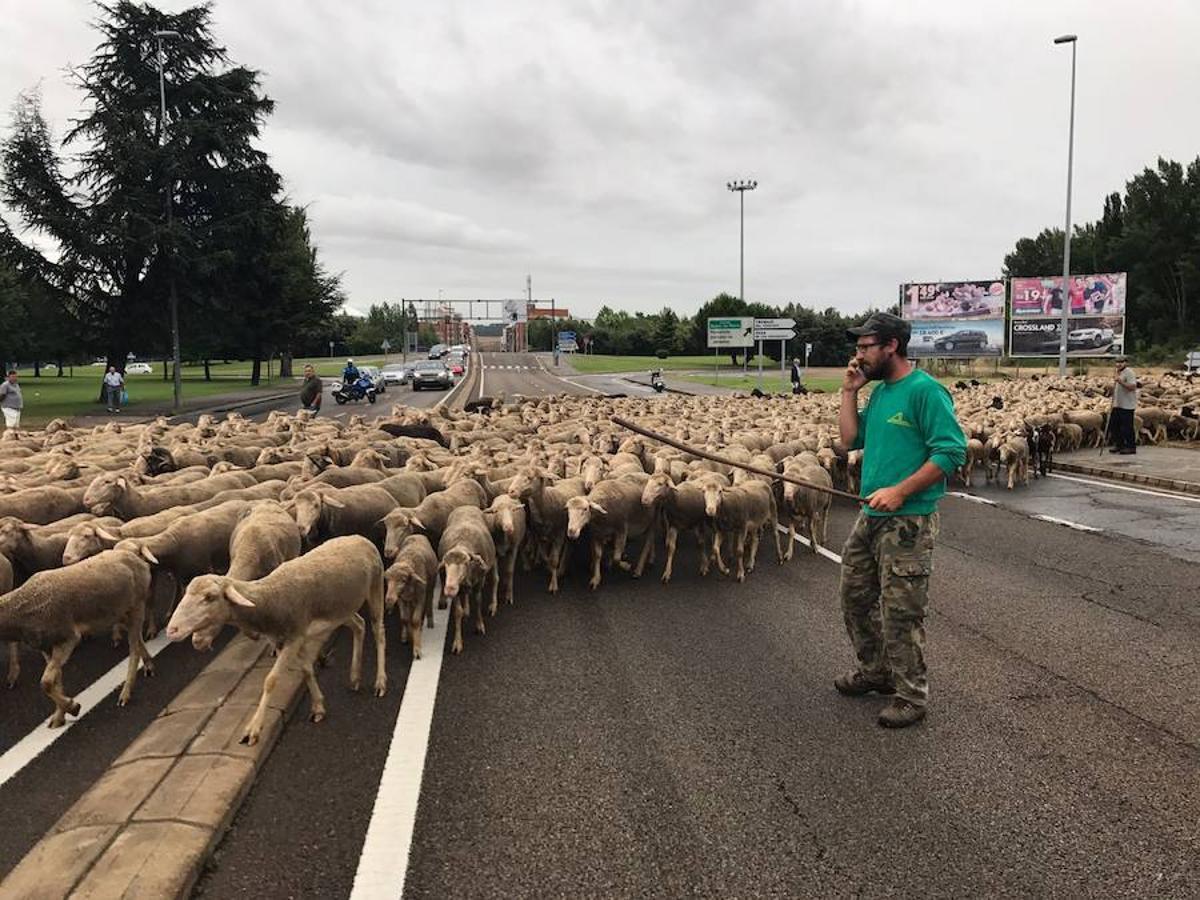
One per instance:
(615, 512)
(331, 513)
(805, 507)
(1014, 456)
(296, 607)
(467, 563)
(430, 515)
(264, 538)
(14, 647)
(117, 496)
(547, 504)
(976, 456)
(682, 509)
(738, 513)
(506, 518)
(55, 609)
(43, 505)
(29, 548)
(427, 432)
(412, 584)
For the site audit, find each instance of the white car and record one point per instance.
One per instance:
(142, 368)
(397, 373)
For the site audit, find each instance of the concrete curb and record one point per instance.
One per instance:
(149, 824)
(668, 388)
(1157, 481)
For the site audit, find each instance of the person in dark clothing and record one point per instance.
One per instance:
(797, 376)
(311, 391)
(1125, 401)
(350, 373)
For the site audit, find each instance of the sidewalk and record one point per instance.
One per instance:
(1171, 468)
(211, 403)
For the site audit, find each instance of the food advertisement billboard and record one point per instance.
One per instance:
(953, 300)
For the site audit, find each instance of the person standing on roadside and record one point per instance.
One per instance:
(911, 443)
(1125, 400)
(114, 383)
(797, 375)
(11, 402)
(311, 391)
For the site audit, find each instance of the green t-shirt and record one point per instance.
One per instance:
(903, 425)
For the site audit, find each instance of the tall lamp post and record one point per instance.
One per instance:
(1066, 297)
(741, 187)
(172, 294)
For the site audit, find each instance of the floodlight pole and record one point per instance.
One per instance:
(1066, 298)
(172, 294)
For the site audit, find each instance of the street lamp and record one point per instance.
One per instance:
(741, 187)
(1066, 297)
(172, 294)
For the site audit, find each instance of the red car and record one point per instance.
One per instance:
(456, 369)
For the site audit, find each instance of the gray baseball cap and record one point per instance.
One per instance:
(883, 325)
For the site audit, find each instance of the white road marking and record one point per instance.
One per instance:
(383, 865)
(828, 554)
(971, 497)
(1067, 522)
(1122, 487)
(26, 750)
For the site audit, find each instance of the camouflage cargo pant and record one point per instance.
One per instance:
(886, 564)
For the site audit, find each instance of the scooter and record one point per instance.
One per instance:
(656, 381)
(355, 390)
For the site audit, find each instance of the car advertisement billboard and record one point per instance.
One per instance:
(1091, 295)
(953, 300)
(958, 338)
(1087, 336)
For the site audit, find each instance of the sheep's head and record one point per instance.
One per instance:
(712, 498)
(85, 540)
(13, 535)
(368, 459)
(656, 489)
(504, 512)
(207, 605)
(308, 511)
(105, 493)
(400, 523)
(592, 470)
(223, 465)
(399, 576)
(460, 569)
(579, 513)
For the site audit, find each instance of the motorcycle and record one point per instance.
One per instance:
(656, 381)
(355, 390)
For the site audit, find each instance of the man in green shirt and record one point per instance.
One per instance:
(911, 442)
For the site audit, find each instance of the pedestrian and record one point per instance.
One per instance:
(911, 443)
(311, 391)
(1125, 400)
(114, 383)
(797, 376)
(11, 402)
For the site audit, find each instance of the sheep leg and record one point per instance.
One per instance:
(739, 553)
(646, 555)
(14, 663)
(620, 539)
(493, 580)
(754, 535)
(597, 558)
(430, 591)
(705, 545)
(457, 609)
(376, 608)
(672, 537)
(476, 599)
(306, 657)
(254, 730)
(716, 551)
(791, 540)
(555, 559)
(52, 685)
(510, 566)
(358, 629)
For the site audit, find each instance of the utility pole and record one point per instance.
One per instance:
(741, 187)
(1066, 297)
(173, 296)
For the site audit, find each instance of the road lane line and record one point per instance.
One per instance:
(1055, 520)
(1122, 487)
(383, 865)
(30, 747)
(542, 366)
(971, 497)
(828, 554)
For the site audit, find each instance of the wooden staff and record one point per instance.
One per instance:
(704, 454)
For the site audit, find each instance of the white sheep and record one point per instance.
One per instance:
(412, 584)
(297, 607)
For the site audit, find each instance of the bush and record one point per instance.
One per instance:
(661, 353)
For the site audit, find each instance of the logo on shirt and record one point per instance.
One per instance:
(898, 419)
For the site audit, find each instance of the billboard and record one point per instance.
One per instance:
(953, 300)
(1091, 295)
(958, 338)
(1087, 336)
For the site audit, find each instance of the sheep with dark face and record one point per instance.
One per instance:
(613, 511)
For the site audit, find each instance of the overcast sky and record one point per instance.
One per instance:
(458, 146)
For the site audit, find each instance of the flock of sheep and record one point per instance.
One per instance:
(292, 528)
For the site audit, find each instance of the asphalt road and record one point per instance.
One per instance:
(650, 740)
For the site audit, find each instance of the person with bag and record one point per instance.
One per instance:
(11, 402)
(114, 389)
(311, 391)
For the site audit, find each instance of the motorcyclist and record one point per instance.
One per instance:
(656, 379)
(350, 373)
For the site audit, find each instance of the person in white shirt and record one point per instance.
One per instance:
(1125, 398)
(114, 382)
(11, 402)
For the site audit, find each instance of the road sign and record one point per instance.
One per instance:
(734, 331)
(774, 329)
(386, 345)
(515, 311)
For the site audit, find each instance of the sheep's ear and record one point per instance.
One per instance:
(122, 483)
(597, 508)
(107, 535)
(236, 596)
(334, 502)
(148, 556)
(417, 523)
(418, 578)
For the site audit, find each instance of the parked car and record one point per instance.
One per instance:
(962, 340)
(1088, 337)
(376, 377)
(397, 373)
(437, 351)
(139, 368)
(431, 373)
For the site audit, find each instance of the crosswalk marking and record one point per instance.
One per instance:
(515, 368)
